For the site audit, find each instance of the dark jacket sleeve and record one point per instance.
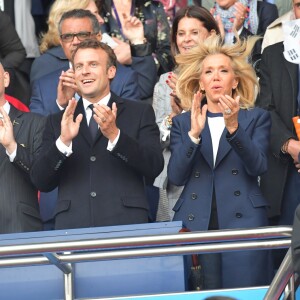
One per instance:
(145, 153)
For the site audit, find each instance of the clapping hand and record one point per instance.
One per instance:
(7, 138)
(198, 115)
(69, 127)
(66, 87)
(106, 119)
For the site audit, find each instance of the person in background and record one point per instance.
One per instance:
(141, 64)
(218, 151)
(190, 27)
(283, 6)
(100, 150)
(156, 28)
(20, 141)
(13, 54)
(244, 18)
(274, 33)
(52, 54)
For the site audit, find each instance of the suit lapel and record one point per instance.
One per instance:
(224, 146)
(293, 71)
(206, 146)
(16, 120)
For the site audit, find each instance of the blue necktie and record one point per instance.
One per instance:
(270, 1)
(93, 126)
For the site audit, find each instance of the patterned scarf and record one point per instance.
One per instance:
(227, 16)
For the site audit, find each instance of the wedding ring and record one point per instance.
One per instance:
(227, 111)
(103, 120)
(242, 18)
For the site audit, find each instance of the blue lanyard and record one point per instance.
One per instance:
(117, 15)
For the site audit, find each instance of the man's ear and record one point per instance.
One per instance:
(111, 72)
(99, 36)
(6, 79)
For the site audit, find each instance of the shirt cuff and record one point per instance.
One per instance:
(65, 150)
(12, 156)
(112, 145)
(60, 107)
(194, 140)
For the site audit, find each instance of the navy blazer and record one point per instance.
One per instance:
(234, 181)
(97, 187)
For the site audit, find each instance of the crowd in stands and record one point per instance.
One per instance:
(117, 112)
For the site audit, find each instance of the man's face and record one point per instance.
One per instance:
(92, 75)
(296, 7)
(71, 26)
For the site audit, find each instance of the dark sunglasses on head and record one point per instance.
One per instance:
(81, 36)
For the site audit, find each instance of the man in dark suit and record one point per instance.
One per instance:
(20, 140)
(44, 90)
(279, 93)
(100, 176)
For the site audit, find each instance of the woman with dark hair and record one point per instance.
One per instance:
(191, 26)
(155, 22)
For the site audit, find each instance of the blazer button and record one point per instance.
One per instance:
(237, 193)
(194, 196)
(238, 215)
(93, 194)
(191, 217)
(197, 174)
(92, 158)
(234, 172)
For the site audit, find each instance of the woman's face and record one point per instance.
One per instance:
(217, 77)
(225, 4)
(94, 10)
(190, 33)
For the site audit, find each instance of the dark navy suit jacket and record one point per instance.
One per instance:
(98, 187)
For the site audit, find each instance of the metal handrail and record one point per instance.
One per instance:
(142, 246)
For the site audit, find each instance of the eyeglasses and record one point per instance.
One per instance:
(82, 35)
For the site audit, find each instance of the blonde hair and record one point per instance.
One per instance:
(59, 7)
(191, 64)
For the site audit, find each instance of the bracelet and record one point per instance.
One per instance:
(168, 121)
(284, 148)
(135, 44)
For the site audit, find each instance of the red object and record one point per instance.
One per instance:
(297, 126)
(17, 103)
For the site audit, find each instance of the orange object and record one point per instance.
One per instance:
(296, 121)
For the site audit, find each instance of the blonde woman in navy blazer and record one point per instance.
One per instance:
(218, 151)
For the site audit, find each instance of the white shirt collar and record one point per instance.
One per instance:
(104, 101)
(6, 107)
